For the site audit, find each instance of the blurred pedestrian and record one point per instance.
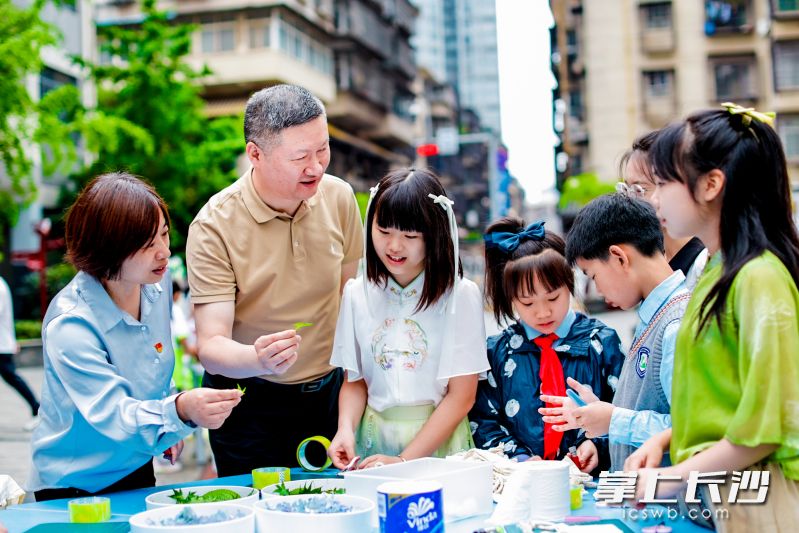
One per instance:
(8, 348)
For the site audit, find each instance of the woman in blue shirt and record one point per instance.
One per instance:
(107, 403)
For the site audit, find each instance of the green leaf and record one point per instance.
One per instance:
(243, 390)
(220, 495)
(308, 488)
(216, 495)
(299, 325)
(281, 489)
(179, 497)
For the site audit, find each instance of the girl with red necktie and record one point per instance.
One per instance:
(529, 285)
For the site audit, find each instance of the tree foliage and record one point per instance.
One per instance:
(580, 189)
(22, 36)
(150, 118)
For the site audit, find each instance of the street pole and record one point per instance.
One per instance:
(43, 229)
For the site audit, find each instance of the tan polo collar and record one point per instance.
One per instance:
(261, 212)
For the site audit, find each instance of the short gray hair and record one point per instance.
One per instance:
(271, 110)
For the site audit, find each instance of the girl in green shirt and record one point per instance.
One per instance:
(721, 175)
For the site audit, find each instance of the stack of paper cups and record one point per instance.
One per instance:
(410, 506)
(537, 490)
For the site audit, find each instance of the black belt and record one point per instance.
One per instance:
(317, 384)
(220, 382)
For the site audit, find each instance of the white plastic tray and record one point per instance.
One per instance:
(467, 485)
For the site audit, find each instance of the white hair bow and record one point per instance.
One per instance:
(372, 194)
(446, 204)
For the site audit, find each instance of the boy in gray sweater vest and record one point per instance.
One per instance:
(617, 241)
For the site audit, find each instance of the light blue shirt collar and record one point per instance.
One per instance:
(660, 295)
(561, 332)
(106, 312)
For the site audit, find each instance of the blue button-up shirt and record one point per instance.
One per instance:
(107, 406)
(635, 427)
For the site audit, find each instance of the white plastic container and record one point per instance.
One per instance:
(322, 483)
(357, 520)
(248, 495)
(467, 485)
(140, 523)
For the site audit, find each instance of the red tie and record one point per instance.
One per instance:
(553, 384)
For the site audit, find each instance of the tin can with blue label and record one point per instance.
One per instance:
(410, 507)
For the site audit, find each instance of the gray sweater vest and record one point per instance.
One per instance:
(639, 385)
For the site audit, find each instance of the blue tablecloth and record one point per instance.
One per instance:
(21, 518)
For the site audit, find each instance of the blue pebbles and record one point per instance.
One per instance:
(314, 505)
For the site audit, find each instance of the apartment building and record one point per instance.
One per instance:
(353, 54)
(456, 41)
(625, 67)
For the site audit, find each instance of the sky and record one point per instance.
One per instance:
(525, 92)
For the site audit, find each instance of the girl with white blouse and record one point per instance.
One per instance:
(410, 333)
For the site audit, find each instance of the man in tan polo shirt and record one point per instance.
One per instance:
(273, 249)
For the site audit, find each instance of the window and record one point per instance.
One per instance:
(786, 65)
(788, 128)
(218, 37)
(297, 48)
(576, 161)
(304, 48)
(208, 41)
(226, 39)
(659, 101)
(283, 36)
(656, 16)
(50, 79)
(571, 42)
(734, 78)
(658, 83)
(576, 104)
(259, 34)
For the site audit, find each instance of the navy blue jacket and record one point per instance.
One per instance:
(506, 408)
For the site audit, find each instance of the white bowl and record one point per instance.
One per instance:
(356, 520)
(323, 483)
(140, 522)
(249, 495)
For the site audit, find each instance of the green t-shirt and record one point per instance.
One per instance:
(740, 382)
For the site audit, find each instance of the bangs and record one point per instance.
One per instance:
(638, 162)
(666, 155)
(399, 208)
(132, 215)
(530, 274)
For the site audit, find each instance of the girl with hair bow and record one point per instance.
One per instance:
(530, 284)
(722, 176)
(410, 333)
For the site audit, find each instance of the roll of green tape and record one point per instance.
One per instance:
(304, 461)
(269, 475)
(89, 510)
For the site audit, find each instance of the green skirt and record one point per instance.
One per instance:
(389, 432)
